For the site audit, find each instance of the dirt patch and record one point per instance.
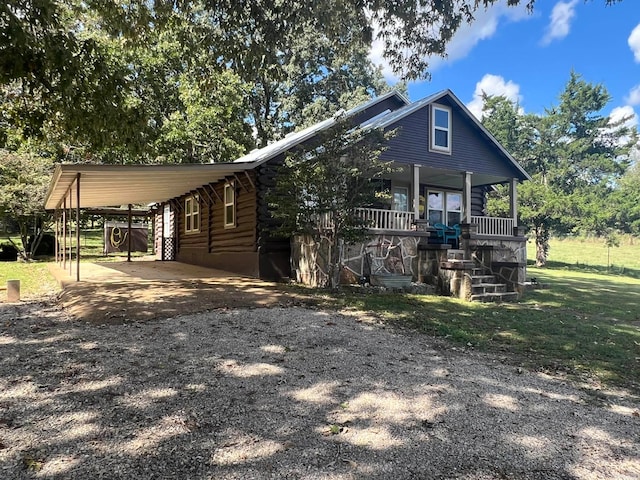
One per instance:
(118, 292)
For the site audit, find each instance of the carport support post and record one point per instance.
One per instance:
(153, 234)
(70, 193)
(55, 243)
(64, 234)
(78, 228)
(129, 235)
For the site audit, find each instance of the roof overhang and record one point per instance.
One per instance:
(114, 185)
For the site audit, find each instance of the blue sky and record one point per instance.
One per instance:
(528, 57)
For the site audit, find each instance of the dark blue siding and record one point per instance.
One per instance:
(471, 149)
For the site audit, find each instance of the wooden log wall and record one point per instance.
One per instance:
(213, 236)
(242, 237)
(267, 240)
(479, 200)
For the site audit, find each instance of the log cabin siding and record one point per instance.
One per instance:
(193, 239)
(157, 232)
(274, 251)
(479, 201)
(242, 237)
(471, 150)
(232, 249)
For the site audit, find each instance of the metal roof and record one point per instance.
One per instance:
(115, 185)
(276, 148)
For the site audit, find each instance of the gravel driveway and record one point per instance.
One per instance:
(288, 393)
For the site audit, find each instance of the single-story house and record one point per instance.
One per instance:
(216, 214)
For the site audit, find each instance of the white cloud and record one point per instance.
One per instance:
(493, 85)
(483, 27)
(634, 42)
(627, 111)
(465, 39)
(620, 113)
(560, 24)
(634, 96)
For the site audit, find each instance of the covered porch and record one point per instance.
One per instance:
(417, 198)
(485, 259)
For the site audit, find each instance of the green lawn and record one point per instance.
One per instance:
(34, 277)
(592, 255)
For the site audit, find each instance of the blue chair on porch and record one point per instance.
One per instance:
(448, 234)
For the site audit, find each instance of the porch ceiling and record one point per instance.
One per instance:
(114, 185)
(445, 178)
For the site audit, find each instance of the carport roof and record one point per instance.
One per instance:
(110, 185)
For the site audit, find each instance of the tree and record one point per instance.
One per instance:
(71, 59)
(575, 155)
(626, 198)
(314, 79)
(319, 187)
(24, 177)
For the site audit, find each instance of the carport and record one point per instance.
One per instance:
(75, 187)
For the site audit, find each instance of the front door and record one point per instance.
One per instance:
(400, 199)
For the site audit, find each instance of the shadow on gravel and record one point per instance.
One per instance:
(287, 393)
(119, 292)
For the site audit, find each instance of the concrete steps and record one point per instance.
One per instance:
(486, 288)
(495, 297)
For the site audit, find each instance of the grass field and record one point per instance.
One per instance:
(582, 324)
(585, 322)
(592, 255)
(34, 277)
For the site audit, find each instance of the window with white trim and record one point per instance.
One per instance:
(192, 214)
(440, 129)
(400, 199)
(444, 207)
(229, 205)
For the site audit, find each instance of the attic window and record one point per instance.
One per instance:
(440, 129)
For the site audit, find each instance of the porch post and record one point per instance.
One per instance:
(416, 192)
(513, 200)
(466, 198)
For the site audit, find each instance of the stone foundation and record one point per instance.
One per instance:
(409, 253)
(383, 254)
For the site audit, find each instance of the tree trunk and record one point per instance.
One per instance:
(542, 246)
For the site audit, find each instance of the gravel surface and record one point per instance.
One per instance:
(289, 393)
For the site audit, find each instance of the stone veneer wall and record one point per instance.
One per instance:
(392, 253)
(382, 254)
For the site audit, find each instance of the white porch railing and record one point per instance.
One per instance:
(494, 226)
(381, 219)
